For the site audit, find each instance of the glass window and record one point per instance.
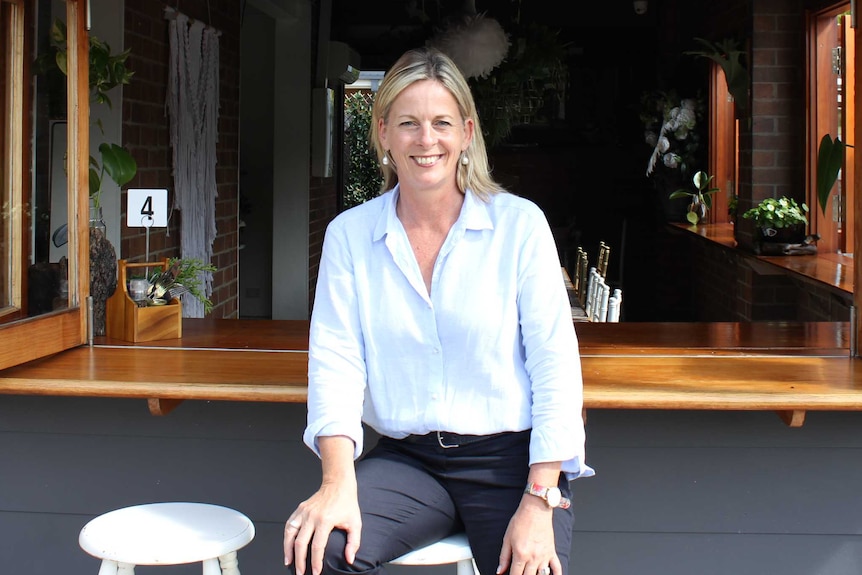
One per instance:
(831, 110)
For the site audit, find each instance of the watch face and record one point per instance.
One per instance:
(554, 496)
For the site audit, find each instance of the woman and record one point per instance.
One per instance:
(442, 322)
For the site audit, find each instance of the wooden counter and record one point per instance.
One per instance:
(830, 269)
(785, 367)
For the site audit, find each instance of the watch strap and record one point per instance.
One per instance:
(542, 492)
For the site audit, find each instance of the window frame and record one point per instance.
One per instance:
(32, 338)
(821, 119)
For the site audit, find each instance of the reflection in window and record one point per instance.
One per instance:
(11, 86)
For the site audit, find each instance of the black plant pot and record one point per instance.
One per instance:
(791, 235)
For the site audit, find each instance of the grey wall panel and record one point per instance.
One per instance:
(676, 492)
(715, 554)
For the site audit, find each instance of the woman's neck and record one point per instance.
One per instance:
(429, 209)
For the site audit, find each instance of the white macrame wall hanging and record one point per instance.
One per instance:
(193, 101)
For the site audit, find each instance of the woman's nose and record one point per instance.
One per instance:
(427, 137)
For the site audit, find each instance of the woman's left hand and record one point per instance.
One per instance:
(528, 546)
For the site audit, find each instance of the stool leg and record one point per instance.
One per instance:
(108, 567)
(211, 567)
(125, 569)
(229, 564)
(466, 567)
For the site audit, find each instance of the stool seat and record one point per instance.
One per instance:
(452, 549)
(166, 534)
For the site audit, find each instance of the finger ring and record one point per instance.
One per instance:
(545, 571)
(296, 523)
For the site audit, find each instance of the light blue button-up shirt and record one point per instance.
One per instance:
(492, 348)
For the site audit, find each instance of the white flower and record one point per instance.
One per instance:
(670, 160)
(663, 144)
(651, 138)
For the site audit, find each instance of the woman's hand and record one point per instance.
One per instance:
(333, 506)
(528, 546)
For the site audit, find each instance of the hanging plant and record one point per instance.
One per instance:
(726, 53)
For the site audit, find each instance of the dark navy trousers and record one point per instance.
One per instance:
(414, 491)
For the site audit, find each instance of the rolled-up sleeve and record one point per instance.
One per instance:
(336, 358)
(552, 355)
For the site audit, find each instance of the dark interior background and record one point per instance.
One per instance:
(586, 169)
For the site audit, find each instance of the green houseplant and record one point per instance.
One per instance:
(701, 197)
(830, 159)
(726, 53)
(107, 71)
(779, 220)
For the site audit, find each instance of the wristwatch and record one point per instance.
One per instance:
(551, 495)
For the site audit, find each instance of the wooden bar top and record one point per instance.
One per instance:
(831, 269)
(786, 367)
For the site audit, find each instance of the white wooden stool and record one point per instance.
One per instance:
(167, 534)
(452, 549)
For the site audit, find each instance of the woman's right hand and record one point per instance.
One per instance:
(333, 506)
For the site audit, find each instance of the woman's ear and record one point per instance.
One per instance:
(381, 133)
(469, 127)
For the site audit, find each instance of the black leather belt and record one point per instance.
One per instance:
(447, 440)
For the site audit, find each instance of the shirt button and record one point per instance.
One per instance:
(436, 350)
(434, 396)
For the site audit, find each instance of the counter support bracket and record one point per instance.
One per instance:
(161, 406)
(792, 417)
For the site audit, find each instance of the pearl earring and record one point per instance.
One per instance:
(464, 159)
(385, 160)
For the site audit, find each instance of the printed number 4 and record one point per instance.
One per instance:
(147, 208)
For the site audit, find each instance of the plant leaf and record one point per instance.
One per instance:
(830, 159)
(118, 162)
(679, 194)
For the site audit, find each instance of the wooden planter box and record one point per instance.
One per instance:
(127, 321)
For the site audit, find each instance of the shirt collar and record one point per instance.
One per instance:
(475, 215)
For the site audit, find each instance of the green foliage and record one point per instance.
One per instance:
(726, 53)
(830, 159)
(117, 162)
(107, 71)
(364, 178)
(778, 213)
(702, 194)
(189, 275)
(532, 74)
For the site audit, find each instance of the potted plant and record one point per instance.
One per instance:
(701, 197)
(779, 220)
(830, 159)
(727, 54)
(672, 131)
(107, 71)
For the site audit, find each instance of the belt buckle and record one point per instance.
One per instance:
(444, 445)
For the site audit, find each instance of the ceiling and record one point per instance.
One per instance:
(381, 30)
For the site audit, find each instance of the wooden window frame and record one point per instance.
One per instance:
(823, 119)
(723, 145)
(44, 335)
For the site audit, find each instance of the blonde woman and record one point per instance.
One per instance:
(440, 321)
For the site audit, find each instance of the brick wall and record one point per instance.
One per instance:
(146, 133)
(732, 285)
(772, 143)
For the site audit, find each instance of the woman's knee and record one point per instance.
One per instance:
(335, 563)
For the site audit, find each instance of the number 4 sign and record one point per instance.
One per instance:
(147, 208)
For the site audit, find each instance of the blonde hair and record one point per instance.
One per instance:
(431, 64)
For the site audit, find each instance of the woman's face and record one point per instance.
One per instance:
(425, 135)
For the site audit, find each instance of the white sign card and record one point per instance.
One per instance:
(147, 208)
